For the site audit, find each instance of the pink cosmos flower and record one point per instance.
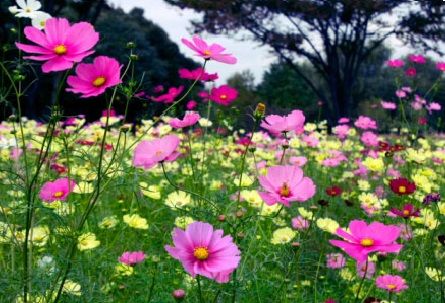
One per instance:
(311, 140)
(388, 105)
(433, 106)
(417, 59)
(411, 72)
(280, 124)
(369, 139)
(60, 44)
(149, 153)
(93, 79)
(205, 252)
(57, 190)
(398, 265)
(196, 74)
(400, 93)
(223, 95)
(341, 131)
(131, 258)
(441, 66)
(170, 96)
(299, 161)
(285, 184)
(189, 119)
(365, 271)
(335, 261)
(209, 52)
(343, 120)
(364, 239)
(391, 283)
(364, 122)
(406, 212)
(300, 223)
(191, 105)
(396, 63)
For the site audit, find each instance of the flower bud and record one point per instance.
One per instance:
(260, 111)
(178, 295)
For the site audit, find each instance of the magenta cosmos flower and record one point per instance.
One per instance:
(285, 184)
(57, 190)
(391, 283)
(149, 153)
(188, 120)
(196, 74)
(280, 124)
(209, 52)
(93, 79)
(364, 239)
(60, 44)
(205, 252)
(131, 258)
(223, 95)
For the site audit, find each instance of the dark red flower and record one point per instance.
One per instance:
(334, 191)
(402, 186)
(406, 212)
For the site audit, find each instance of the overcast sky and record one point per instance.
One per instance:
(176, 23)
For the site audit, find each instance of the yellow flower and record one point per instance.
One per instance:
(246, 180)
(83, 188)
(40, 235)
(72, 288)
(124, 270)
(441, 207)
(136, 221)
(283, 235)
(375, 165)
(183, 222)
(427, 218)
(434, 274)
(151, 191)
(178, 200)
(108, 222)
(252, 197)
(363, 185)
(305, 214)
(328, 225)
(87, 241)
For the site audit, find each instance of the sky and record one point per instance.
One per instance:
(176, 22)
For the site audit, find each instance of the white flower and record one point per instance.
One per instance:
(26, 9)
(205, 122)
(40, 21)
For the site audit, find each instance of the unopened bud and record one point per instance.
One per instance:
(260, 111)
(178, 295)
(131, 45)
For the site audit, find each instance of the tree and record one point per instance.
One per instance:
(335, 36)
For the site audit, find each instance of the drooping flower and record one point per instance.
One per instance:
(396, 63)
(406, 212)
(93, 79)
(170, 96)
(188, 120)
(223, 95)
(402, 186)
(285, 184)
(388, 105)
(365, 270)
(149, 153)
(209, 52)
(280, 124)
(26, 8)
(204, 251)
(60, 44)
(57, 190)
(300, 223)
(131, 258)
(364, 239)
(391, 283)
(196, 74)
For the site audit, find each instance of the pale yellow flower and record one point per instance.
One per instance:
(136, 221)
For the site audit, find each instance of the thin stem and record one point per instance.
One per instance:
(362, 281)
(198, 280)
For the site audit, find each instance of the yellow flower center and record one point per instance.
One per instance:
(285, 190)
(223, 96)
(58, 194)
(402, 189)
(60, 49)
(406, 212)
(28, 10)
(391, 286)
(201, 253)
(99, 81)
(207, 52)
(367, 242)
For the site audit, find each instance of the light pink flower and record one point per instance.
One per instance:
(189, 119)
(285, 184)
(60, 44)
(364, 122)
(280, 124)
(433, 106)
(364, 239)
(149, 153)
(223, 95)
(388, 105)
(93, 79)
(391, 283)
(343, 120)
(205, 252)
(131, 258)
(300, 223)
(369, 139)
(398, 265)
(209, 52)
(299, 161)
(400, 93)
(196, 74)
(341, 131)
(365, 271)
(335, 261)
(57, 190)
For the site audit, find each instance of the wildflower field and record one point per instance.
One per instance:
(183, 207)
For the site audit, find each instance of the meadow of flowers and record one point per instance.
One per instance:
(188, 209)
